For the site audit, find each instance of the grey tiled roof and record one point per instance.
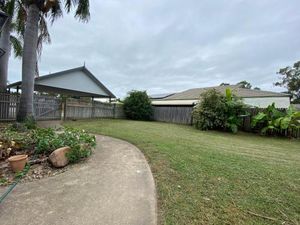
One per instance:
(237, 90)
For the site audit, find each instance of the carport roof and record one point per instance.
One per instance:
(75, 82)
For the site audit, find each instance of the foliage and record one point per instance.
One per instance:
(216, 111)
(210, 112)
(234, 109)
(80, 142)
(137, 106)
(244, 84)
(290, 79)
(30, 123)
(273, 119)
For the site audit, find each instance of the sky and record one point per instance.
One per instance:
(166, 46)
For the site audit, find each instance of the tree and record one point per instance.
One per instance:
(290, 79)
(9, 41)
(36, 9)
(224, 84)
(137, 106)
(12, 36)
(244, 84)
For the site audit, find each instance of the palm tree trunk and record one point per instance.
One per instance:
(5, 45)
(29, 64)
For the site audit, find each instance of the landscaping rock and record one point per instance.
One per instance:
(58, 157)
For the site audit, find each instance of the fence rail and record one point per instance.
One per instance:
(53, 108)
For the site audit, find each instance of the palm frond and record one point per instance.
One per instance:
(20, 18)
(69, 4)
(44, 36)
(55, 11)
(83, 10)
(17, 46)
(9, 7)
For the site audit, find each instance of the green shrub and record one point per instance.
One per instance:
(30, 123)
(209, 114)
(218, 112)
(137, 106)
(80, 142)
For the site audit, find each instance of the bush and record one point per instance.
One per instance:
(80, 142)
(137, 106)
(210, 112)
(218, 112)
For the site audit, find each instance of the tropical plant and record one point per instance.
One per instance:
(274, 120)
(10, 37)
(137, 106)
(235, 109)
(37, 9)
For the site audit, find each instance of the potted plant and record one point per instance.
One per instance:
(17, 162)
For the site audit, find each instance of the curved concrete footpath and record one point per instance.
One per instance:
(114, 187)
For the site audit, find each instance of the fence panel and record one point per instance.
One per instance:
(47, 107)
(173, 114)
(8, 106)
(77, 109)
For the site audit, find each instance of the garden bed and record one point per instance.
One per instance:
(38, 144)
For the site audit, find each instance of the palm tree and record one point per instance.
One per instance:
(12, 37)
(8, 40)
(35, 10)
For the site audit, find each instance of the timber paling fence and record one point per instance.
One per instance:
(183, 115)
(173, 114)
(53, 108)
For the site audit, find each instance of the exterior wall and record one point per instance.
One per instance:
(175, 102)
(76, 80)
(280, 102)
(261, 102)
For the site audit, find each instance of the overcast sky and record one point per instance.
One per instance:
(167, 46)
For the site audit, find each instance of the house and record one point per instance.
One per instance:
(76, 82)
(255, 98)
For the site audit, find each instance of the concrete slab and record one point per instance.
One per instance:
(114, 187)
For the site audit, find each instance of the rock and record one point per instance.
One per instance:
(58, 157)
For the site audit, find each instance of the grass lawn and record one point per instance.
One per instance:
(213, 177)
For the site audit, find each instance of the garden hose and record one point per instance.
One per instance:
(14, 184)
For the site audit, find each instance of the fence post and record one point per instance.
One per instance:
(93, 108)
(114, 110)
(63, 108)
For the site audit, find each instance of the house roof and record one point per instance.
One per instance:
(160, 96)
(77, 82)
(236, 89)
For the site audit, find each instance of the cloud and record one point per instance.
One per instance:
(173, 45)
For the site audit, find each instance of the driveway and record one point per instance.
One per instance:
(114, 187)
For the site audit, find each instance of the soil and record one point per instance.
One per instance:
(39, 170)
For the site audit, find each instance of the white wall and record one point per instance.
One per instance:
(280, 102)
(76, 80)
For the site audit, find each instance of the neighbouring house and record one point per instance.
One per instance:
(255, 98)
(178, 107)
(160, 96)
(77, 82)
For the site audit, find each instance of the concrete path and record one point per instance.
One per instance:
(114, 187)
